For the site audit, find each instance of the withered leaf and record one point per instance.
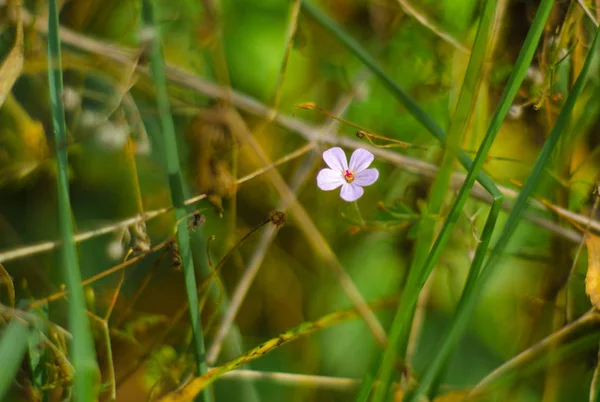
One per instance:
(6, 281)
(592, 278)
(13, 64)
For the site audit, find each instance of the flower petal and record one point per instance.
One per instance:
(329, 179)
(360, 160)
(366, 177)
(336, 159)
(351, 192)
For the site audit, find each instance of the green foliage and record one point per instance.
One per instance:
(470, 249)
(82, 352)
(12, 347)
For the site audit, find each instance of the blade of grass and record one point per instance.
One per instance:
(12, 348)
(458, 126)
(83, 356)
(471, 295)
(595, 385)
(38, 358)
(432, 377)
(366, 385)
(470, 91)
(423, 20)
(176, 184)
(401, 324)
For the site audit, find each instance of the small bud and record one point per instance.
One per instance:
(277, 218)
(535, 75)
(143, 147)
(71, 98)
(361, 134)
(113, 135)
(142, 240)
(306, 105)
(362, 93)
(115, 249)
(90, 297)
(354, 230)
(90, 119)
(515, 111)
(147, 35)
(563, 53)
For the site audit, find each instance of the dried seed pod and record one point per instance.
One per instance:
(197, 220)
(211, 144)
(173, 250)
(142, 240)
(277, 218)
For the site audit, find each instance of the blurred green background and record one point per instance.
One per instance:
(116, 172)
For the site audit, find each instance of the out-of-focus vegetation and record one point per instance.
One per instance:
(210, 118)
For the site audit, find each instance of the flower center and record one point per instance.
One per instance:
(349, 176)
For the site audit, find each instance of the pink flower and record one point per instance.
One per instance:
(352, 178)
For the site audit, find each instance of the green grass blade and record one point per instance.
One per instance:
(86, 381)
(175, 183)
(365, 388)
(470, 299)
(467, 100)
(12, 348)
(432, 375)
(402, 321)
(462, 115)
(594, 386)
(465, 105)
(38, 356)
(420, 115)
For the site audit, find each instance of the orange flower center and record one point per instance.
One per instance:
(349, 176)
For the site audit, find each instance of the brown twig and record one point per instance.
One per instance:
(22, 252)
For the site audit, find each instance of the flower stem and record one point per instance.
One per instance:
(360, 218)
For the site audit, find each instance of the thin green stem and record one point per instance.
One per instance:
(175, 183)
(458, 126)
(82, 352)
(469, 94)
(38, 355)
(432, 375)
(358, 214)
